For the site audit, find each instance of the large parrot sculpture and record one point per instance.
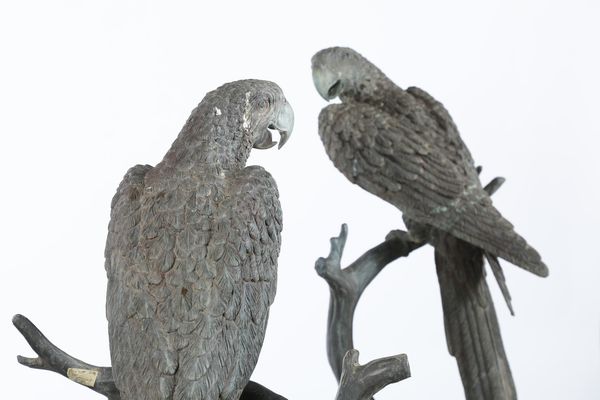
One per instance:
(191, 253)
(402, 146)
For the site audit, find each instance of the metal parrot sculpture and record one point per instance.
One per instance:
(402, 146)
(191, 253)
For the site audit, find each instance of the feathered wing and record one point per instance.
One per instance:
(125, 308)
(256, 248)
(430, 179)
(472, 329)
(192, 272)
(444, 124)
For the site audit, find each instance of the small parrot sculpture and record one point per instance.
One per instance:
(402, 146)
(191, 253)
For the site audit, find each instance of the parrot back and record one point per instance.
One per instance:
(191, 261)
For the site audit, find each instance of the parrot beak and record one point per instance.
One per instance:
(264, 141)
(327, 84)
(284, 124)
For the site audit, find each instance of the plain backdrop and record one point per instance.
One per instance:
(88, 89)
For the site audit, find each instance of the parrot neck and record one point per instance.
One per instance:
(208, 154)
(374, 89)
(381, 93)
(207, 142)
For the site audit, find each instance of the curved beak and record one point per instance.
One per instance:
(284, 124)
(327, 83)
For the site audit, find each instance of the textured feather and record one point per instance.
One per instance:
(499, 275)
(430, 177)
(181, 299)
(472, 330)
(402, 146)
(191, 258)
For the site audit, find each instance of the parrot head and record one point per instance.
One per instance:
(341, 71)
(262, 107)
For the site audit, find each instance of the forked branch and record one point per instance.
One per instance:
(346, 286)
(51, 358)
(361, 382)
(98, 379)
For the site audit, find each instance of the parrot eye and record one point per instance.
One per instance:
(264, 104)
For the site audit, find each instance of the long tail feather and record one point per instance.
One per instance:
(499, 274)
(472, 330)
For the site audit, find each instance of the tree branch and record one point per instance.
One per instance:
(98, 379)
(51, 358)
(361, 382)
(347, 285)
(256, 391)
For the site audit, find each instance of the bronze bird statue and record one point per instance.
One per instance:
(402, 146)
(191, 253)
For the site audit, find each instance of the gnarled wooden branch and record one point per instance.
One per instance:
(361, 382)
(357, 383)
(98, 379)
(51, 358)
(346, 286)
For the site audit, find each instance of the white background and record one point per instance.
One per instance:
(88, 89)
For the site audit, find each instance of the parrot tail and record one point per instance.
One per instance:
(472, 330)
(499, 274)
(483, 226)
